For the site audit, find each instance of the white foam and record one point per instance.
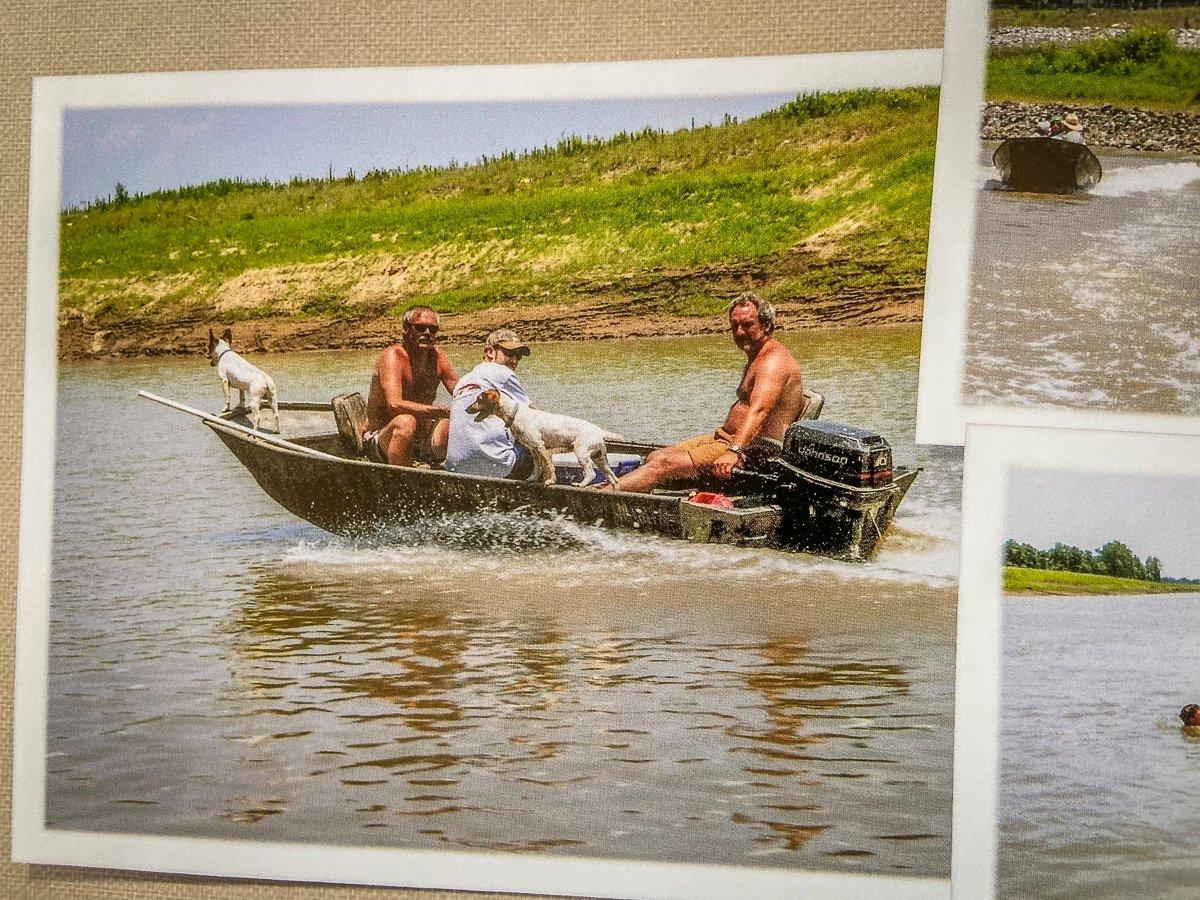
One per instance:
(922, 550)
(1147, 179)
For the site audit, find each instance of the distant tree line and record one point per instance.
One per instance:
(1114, 559)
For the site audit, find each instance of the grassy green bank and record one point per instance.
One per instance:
(1170, 17)
(827, 195)
(1044, 581)
(1143, 67)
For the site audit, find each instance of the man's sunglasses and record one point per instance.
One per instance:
(420, 326)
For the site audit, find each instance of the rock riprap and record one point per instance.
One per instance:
(1104, 126)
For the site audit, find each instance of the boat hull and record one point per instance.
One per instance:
(1046, 165)
(361, 499)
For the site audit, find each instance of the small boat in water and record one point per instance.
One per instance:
(826, 488)
(1047, 165)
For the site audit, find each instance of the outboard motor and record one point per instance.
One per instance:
(843, 453)
(836, 488)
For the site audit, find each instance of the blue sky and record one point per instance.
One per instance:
(1153, 515)
(152, 148)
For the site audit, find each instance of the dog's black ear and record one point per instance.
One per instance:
(227, 337)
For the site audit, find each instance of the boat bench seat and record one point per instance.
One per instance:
(813, 404)
(350, 413)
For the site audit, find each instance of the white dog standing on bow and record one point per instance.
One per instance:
(235, 372)
(541, 433)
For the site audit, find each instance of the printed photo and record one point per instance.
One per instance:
(1099, 722)
(500, 484)
(1081, 294)
(1078, 726)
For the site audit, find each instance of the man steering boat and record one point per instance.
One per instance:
(769, 398)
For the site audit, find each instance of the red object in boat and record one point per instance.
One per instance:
(709, 498)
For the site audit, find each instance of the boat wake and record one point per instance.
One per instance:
(1147, 179)
(570, 553)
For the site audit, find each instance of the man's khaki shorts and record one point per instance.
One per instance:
(705, 450)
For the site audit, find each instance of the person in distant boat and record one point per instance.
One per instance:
(769, 398)
(1057, 128)
(404, 425)
(1043, 128)
(1072, 129)
(485, 446)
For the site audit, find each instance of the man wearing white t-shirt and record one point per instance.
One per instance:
(486, 447)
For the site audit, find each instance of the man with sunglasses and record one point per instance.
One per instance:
(404, 425)
(485, 446)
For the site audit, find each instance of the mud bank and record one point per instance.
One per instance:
(612, 318)
(1104, 126)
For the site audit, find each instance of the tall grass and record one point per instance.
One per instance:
(1142, 66)
(528, 225)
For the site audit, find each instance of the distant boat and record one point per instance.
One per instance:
(1048, 165)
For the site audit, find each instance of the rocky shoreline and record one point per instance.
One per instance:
(1011, 38)
(1104, 126)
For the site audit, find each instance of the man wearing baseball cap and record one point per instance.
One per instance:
(487, 447)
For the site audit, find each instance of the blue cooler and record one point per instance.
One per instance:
(568, 471)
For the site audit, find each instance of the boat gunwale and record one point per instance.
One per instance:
(286, 446)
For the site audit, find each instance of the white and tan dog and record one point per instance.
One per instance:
(541, 433)
(235, 372)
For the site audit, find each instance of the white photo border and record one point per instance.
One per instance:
(993, 454)
(942, 417)
(32, 841)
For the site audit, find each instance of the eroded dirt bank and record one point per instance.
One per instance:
(600, 318)
(652, 303)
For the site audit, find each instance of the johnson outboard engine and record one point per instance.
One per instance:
(835, 487)
(842, 453)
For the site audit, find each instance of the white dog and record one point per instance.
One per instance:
(235, 372)
(541, 433)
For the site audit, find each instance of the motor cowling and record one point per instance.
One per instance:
(843, 453)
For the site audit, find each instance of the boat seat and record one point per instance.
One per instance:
(350, 413)
(813, 404)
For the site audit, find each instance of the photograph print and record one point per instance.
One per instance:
(1078, 305)
(1078, 723)
(515, 487)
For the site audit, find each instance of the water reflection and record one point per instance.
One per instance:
(420, 697)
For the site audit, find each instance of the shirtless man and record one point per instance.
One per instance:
(403, 423)
(769, 398)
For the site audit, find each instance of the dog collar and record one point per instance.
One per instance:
(223, 352)
(508, 422)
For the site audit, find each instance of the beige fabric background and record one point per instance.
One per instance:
(71, 37)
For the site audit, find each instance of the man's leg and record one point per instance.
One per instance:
(667, 464)
(396, 440)
(439, 441)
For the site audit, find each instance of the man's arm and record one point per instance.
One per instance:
(392, 369)
(447, 372)
(768, 390)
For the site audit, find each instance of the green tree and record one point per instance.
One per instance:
(1118, 560)
(120, 195)
(1153, 568)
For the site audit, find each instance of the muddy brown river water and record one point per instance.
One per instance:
(1098, 780)
(219, 668)
(1090, 301)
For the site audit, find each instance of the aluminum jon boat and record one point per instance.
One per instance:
(1046, 165)
(827, 488)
